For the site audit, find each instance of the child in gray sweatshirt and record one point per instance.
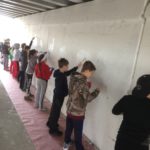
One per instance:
(29, 72)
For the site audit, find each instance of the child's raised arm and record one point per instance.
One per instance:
(68, 73)
(31, 42)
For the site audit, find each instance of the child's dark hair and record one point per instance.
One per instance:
(23, 45)
(88, 65)
(63, 62)
(40, 57)
(32, 52)
(27, 47)
(39, 60)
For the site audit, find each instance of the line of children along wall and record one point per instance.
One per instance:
(26, 62)
(135, 128)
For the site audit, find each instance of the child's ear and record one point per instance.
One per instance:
(148, 96)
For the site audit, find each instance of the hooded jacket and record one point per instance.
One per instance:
(61, 85)
(79, 95)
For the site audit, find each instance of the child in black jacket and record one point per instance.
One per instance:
(134, 131)
(60, 92)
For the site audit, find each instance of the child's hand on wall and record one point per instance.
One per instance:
(81, 63)
(33, 38)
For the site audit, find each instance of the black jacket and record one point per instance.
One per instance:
(61, 85)
(23, 60)
(136, 118)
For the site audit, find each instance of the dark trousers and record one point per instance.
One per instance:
(22, 79)
(125, 144)
(28, 82)
(55, 112)
(77, 126)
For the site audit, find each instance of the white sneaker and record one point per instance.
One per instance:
(66, 146)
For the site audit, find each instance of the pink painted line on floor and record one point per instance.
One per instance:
(34, 120)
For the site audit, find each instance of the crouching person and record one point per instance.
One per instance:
(79, 96)
(43, 73)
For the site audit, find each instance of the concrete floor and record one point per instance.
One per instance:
(13, 135)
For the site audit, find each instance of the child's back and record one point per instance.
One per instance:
(79, 95)
(61, 86)
(43, 71)
(31, 65)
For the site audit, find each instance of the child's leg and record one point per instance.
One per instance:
(5, 61)
(29, 81)
(11, 66)
(22, 79)
(38, 92)
(42, 93)
(78, 129)
(19, 76)
(55, 113)
(15, 69)
(69, 129)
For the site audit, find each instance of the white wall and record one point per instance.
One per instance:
(107, 32)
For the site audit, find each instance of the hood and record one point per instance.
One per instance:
(76, 76)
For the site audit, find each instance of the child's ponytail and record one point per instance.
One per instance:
(39, 61)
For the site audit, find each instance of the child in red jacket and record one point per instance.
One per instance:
(43, 73)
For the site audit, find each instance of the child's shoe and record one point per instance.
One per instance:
(27, 98)
(66, 146)
(31, 95)
(56, 132)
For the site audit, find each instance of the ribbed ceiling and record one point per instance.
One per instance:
(18, 8)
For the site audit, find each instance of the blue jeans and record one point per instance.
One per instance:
(77, 126)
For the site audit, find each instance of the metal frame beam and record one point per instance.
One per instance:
(3, 6)
(19, 3)
(8, 13)
(38, 4)
(58, 2)
(10, 6)
(5, 9)
(28, 7)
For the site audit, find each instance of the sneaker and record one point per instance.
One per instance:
(56, 133)
(66, 146)
(27, 98)
(31, 95)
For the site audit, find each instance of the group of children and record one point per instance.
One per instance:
(79, 95)
(135, 128)
(79, 90)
